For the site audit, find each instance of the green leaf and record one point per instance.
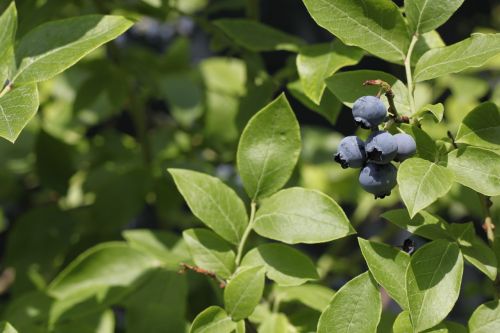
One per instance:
(481, 127)
(284, 264)
(437, 110)
(212, 320)
(422, 224)
(275, 323)
(469, 53)
(258, 37)
(433, 283)
(427, 15)
(269, 149)
(6, 328)
(315, 63)
(315, 296)
(402, 324)
(244, 291)
(348, 87)
(213, 202)
(422, 182)
(388, 266)
(17, 107)
(8, 22)
(52, 47)
(486, 318)
(476, 168)
(210, 252)
(105, 265)
(356, 307)
(426, 146)
(298, 215)
(329, 106)
(375, 25)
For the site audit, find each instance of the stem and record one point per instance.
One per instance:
(488, 224)
(409, 78)
(241, 246)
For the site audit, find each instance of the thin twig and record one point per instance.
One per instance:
(186, 267)
(387, 89)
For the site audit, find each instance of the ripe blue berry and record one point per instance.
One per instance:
(406, 146)
(381, 147)
(351, 152)
(378, 179)
(369, 111)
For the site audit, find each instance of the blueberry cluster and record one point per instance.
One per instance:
(378, 174)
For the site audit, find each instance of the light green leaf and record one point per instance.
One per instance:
(6, 328)
(284, 264)
(471, 52)
(348, 87)
(275, 323)
(243, 292)
(52, 47)
(486, 318)
(376, 25)
(269, 149)
(433, 283)
(356, 307)
(481, 127)
(210, 252)
(105, 265)
(213, 202)
(388, 266)
(329, 106)
(315, 296)
(8, 22)
(17, 107)
(427, 41)
(402, 324)
(427, 15)
(426, 146)
(437, 110)
(422, 224)
(476, 168)
(422, 182)
(298, 215)
(258, 37)
(212, 320)
(317, 62)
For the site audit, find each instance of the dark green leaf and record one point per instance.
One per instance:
(481, 127)
(269, 149)
(298, 215)
(17, 107)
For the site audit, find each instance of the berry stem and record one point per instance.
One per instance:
(488, 224)
(387, 89)
(241, 246)
(409, 78)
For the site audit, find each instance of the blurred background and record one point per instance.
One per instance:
(175, 91)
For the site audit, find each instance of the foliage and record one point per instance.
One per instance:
(148, 192)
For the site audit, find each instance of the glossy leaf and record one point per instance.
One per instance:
(476, 168)
(210, 251)
(105, 265)
(298, 215)
(315, 296)
(422, 182)
(388, 266)
(348, 87)
(244, 291)
(427, 15)
(213, 202)
(17, 107)
(433, 283)
(376, 25)
(284, 264)
(469, 53)
(356, 307)
(481, 127)
(52, 47)
(212, 320)
(258, 37)
(315, 63)
(486, 318)
(269, 149)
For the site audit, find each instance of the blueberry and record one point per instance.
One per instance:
(351, 152)
(381, 147)
(406, 146)
(378, 179)
(369, 111)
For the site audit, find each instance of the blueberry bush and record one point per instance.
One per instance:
(157, 175)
